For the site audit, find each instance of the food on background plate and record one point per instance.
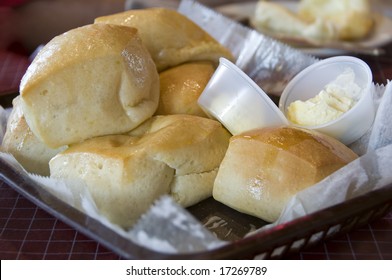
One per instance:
(352, 19)
(27, 149)
(262, 169)
(170, 37)
(274, 19)
(315, 21)
(181, 86)
(335, 99)
(93, 80)
(177, 155)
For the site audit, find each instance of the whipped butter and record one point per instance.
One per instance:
(335, 99)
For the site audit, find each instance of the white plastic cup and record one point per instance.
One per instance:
(354, 123)
(235, 100)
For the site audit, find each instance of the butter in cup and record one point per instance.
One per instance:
(235, 100)
(353, 123)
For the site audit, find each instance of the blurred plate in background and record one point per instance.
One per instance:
(371, 45)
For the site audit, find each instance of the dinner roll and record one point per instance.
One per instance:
(352, 19)
(176, 154)
(94, 80)
(181, 86)
(27, 149)
(171, 37)
(264, 168)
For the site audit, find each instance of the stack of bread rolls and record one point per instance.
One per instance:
(114, 103)
(88, 109)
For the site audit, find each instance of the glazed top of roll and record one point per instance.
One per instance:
(170, 37)
(94, 80)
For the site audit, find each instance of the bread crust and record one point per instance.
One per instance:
(171, 37)
(177, 155)
(181, 87)
(264, 168)
(21, 142)
(94, 80)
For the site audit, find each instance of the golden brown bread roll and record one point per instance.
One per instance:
(94, 80)
(171, 37)
(27, 149)
(181, 86)
(177, 155)
(264, 168)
